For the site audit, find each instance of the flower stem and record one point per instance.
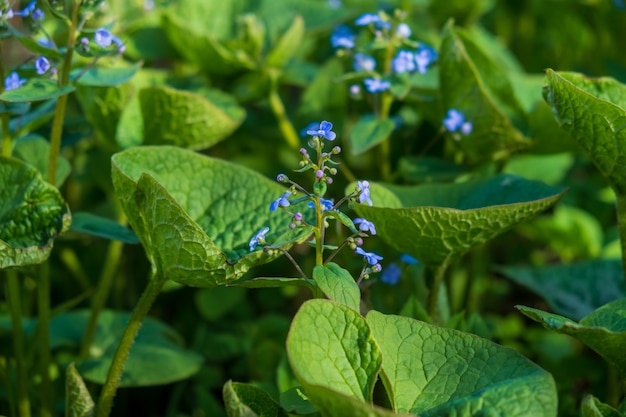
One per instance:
(278, 108)
(105, 402)
(434, 279)
(59, 114)
(15, 307)
(43, 336)
(7, 141)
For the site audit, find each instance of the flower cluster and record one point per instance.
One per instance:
(408, 61)
(455, 121)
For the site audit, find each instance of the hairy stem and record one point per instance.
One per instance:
(434, 279)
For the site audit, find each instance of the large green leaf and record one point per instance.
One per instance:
(434, 371)
(592, 407)
(475, 85)
(338, 284)
(438, 222)
(78, 400)
(604, 330)
(593, 112)
(35, 151)
(331, 345)
(245, 400)
(32, 215)
(186, 119)
(157, 356)
(35, 89)
(195, 215)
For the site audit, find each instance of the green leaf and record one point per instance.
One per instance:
(593, 112)
(573, 290)
(157, 356)
(604, 330)
(330, 345)
(287, 45)
(592, 407)
(35, 151)
(439, 222)
(32, 215)
(32, 45)
(369, 132)
(338, 284)
(550, 169)
(473, 84)
(245, 400)
(195, 215)
(95, 225)
(36, 89)
(295, 402)
(105, 76)
(214, 303)
(428, 169)
(434, 371)
(186, 119)
(78, 401)
(274, 282)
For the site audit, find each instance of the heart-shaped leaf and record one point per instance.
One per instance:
(369, 132)
(35, 151)
(186, 119)
(245, 400)
(36, 89)
(330, 345)
(604, 330)
(106, 76)
(475, 85)
(195, 215)
(78, 400)
(439, 222)
(573, 290)
(338, 284)
(32, 215)
(434, 371)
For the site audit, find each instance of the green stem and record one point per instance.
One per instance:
(278, 108)
(386, 100)
(434, 279)
(43, 336)
(621, 217)
(15, 307)
(59, 114)
(105, 402)
(7, 141)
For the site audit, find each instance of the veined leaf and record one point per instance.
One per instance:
(36, 89)
(338, 284)
(246, 400)
(78, 400)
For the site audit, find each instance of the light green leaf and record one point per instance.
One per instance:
(369, 132)
(593, 112)
(105, 76)
(78, 401)
(434, 371)
(157, 356)
(245, 400)
(331, 345)
(195, 215)
(186, 119)
(287, 45)
(473, 84)
(439, 222)
(36, 89)
(573, 290)
(95, 225)
(35, 151)
(32, 215)
(550, 169)
(338, 284)
(604, 330)
(592, 407)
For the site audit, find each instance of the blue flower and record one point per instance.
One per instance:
(13, 81)
(342, 37)
(403, 62)
(103, 38)
(258, 238)
(281, 201)
(391, 275)
(408, 259)
(363, 62)
(326, 204)
(324, 131)
(367, 19)
(365, 225)
(28, 9)
(424, 56)
(42, 65)
(371, 257)
(403, 30)
(38, 14)
(45, 42)
(334, 4)
(456, 121)
(376, 85)
(363, 188)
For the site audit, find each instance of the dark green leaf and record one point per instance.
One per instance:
(95, 225)
(295, 402)
(78, 401)
(105, 76)
(271, 282)
(35, 89)
(245, 400)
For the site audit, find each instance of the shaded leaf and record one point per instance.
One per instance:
(369, 132)
(36, 89)
(99, 226)
(592, 407)
(106, 76)
(245, 400)
(35, 151)
(78, 401)
(272, 282)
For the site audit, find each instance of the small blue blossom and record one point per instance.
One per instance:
(376, 85)
(42, 65)
(324, 131)
(334, 4)
(258, 238)
(456, 121)
(408, 259)
(424, 56)
(342, 37)
(403, 30)
(367, 19)
(38, 14)
(403, 62)
(326, 204)
(26, 11)
(363, 188)
(363, 62)
(281, 201)
(371, 257)
(103, 38)
(392, 274)
(45, 42)
(365, 225)
(13, 81)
